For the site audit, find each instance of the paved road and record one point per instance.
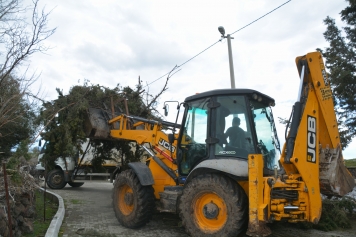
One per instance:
(89, 212)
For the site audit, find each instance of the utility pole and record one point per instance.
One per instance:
(231, 63)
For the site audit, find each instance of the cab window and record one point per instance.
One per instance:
(195, 129)
(233, 128)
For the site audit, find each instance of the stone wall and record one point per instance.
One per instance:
(22, 187)
(23, 213)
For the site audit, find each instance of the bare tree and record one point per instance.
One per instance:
(20, 37)
(151, 100)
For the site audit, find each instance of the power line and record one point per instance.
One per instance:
(185, 62)
(260, 17)
(219, 41)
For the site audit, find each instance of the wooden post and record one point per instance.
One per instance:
(126, 107)
(7, 198)
(112, 110)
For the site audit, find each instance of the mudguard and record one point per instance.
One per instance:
(143, 173)
(234, 167)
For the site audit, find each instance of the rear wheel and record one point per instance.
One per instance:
(55, 179)
(133, 203)
(76, 184)
(213, 205)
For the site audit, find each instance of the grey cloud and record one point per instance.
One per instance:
(145, 52)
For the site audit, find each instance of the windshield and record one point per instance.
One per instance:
(267, 139)
(195, 129)
(233, 128)
(42, 151)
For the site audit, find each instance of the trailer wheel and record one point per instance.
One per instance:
(55, 179)
(133, 203)
(76, 184)
(39, 175)
(213, 205)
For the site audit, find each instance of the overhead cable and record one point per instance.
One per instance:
(176, 67)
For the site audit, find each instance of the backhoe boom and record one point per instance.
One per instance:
(311, 157)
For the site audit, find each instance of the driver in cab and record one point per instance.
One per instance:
(236, 134)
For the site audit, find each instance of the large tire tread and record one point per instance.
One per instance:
(235, 199)
(76, 184)
(144, 201)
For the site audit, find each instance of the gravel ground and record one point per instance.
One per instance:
(89, 213)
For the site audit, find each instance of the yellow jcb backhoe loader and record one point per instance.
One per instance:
(219, 172)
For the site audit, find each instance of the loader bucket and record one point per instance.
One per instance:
(334, 177)
(96, 124)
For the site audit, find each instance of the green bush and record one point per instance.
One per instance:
(350, 162)
(336, 214)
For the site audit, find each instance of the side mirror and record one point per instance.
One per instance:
(40, 143)
(171, 138)
(165, 108)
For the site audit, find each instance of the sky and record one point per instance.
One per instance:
(110, 42)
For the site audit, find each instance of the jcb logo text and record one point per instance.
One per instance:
(166, 145)
(311, 139)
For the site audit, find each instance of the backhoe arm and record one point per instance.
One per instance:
(311, 157)
(317, 146)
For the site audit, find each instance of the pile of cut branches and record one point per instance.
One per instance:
(63, 120)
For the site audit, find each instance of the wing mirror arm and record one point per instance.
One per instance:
(171, 138)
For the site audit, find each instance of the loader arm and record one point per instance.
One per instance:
(144, 131)
(149, 135)
(311, 157)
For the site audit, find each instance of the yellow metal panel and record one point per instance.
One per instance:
(257, 209)
(244, 185)
(320, 81)
(255, 180)
(160, 177)
(306, 154)
(324, 94)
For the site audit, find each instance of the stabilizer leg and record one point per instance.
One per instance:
(258, 211)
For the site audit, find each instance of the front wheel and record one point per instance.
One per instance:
(55, 179)
(213, 205)
(133, 203)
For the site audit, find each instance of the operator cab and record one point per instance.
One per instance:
(227, 124)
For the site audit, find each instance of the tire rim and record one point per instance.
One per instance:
(125, 199)
(57, 179)
(210, 212)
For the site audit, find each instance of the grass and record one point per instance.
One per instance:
(91, 232)
(40, 226)
(76, 201)
(350, 162)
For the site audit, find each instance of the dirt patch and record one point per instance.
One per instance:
(292, 230)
